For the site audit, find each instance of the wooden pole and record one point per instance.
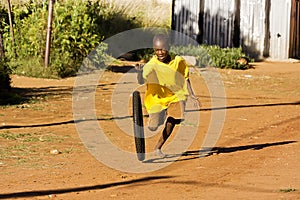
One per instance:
(49, 30)
(11, 27)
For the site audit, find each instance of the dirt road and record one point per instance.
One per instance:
(256, 156)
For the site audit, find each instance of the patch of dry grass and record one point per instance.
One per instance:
(152, 12)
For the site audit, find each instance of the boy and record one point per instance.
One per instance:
(168, 86)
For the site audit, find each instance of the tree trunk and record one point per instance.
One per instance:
(2, 53)
(11, 28)
(49, 30)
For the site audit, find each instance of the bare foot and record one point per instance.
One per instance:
(159, 153)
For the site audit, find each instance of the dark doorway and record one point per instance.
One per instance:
(294, 51)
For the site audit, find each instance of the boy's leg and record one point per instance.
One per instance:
(156, 119)
(169, 126)
(175, 116)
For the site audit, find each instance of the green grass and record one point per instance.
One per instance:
(24, 147)
(31, 137)
(286, 190)
(32, 68)
(11, 136)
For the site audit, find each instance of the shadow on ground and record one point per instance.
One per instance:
(126, 117)
(17, 96)
(36, 193)
(197, 154)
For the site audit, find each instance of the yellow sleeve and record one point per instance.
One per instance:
(183, 68)
(148, 68)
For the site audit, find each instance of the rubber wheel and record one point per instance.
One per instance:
(138, 125)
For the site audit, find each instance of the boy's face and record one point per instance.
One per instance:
(161, 48)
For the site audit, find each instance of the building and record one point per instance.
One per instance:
(263, 28)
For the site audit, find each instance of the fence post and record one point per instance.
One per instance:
(11, 28)
(49, 29)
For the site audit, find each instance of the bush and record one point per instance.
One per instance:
(214, 56)
(4, 75)
(227, 57)
(202, 58)
(78, 27)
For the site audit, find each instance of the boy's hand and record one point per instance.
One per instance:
(139, 68)
(197, 103)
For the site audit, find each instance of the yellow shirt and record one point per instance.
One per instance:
(166, 83)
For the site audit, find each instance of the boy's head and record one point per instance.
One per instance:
(161, 46)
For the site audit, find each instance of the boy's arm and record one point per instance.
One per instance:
(139, 68)
(143, 71)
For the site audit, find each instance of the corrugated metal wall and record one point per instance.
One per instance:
(218, 22)
(185, 17)
(280, 29)
(264, 25)
(252, 26)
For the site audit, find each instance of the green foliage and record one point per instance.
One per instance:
(202, 58)
(78, 27)
(145, 54)
(96, 59)
(72, 37)
(214, 56)
(226, 57)
(33, 67)
(4, 75)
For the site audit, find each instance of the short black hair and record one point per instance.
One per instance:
(162, 37)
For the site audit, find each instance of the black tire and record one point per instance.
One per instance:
(138, 125)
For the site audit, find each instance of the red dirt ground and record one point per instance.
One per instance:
(257, 154)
